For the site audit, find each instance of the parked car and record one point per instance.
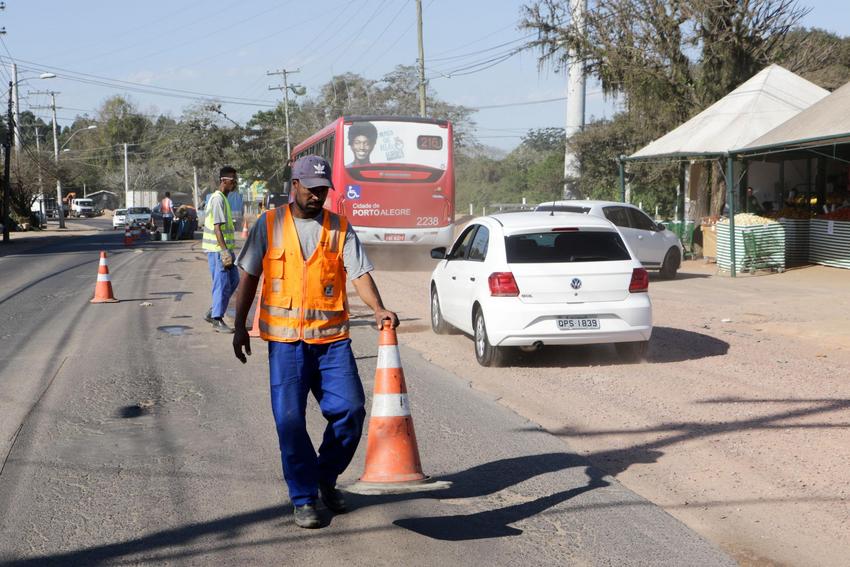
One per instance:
(528, 280)
(119, 218)
(656, 247)
(140, 216)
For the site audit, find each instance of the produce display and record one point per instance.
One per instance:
(792, 213)
(747, 219)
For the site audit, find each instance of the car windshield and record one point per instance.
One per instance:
(139, 211)
(120, 211)
(573, 246)
(562, 208)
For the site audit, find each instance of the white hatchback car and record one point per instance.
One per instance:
(119, 218)
(654, 245)
(529, 279)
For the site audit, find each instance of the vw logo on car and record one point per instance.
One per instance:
(576, 283)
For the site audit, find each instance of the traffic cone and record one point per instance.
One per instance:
(255, 327)
(128, 236)
(103, 287)
(244, 228)
(392, 455)
(135, 231)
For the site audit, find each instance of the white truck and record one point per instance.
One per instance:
(82, 208)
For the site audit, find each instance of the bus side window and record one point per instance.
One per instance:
(331, 149)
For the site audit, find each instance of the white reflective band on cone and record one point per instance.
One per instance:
(103, 277)
(388, 357)
(103, 262)
(390, 405)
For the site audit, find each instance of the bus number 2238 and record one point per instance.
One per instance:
(427, 221)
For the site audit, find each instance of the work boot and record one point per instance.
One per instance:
(221, 327)
(208, 316)
(332, 498)
(306, 516)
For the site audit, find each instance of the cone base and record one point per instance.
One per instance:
(375, 488)
(96, 300)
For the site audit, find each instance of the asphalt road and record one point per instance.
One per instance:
(130, 434)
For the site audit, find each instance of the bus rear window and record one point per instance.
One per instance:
(395, 142)
(553, 247)
(429, 143)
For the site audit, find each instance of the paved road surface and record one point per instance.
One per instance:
(134, 436)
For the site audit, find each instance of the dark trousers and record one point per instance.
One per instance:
(330, 373)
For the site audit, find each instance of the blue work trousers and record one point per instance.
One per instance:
(330, 372)
(224, 282)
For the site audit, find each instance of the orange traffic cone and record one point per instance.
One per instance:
(392, 455)
(244, 228)
(128, 236)
(103, 287)
(255, 327)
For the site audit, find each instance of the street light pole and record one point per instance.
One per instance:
(7, 188)
(59, 208)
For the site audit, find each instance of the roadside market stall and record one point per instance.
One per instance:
(816, 218)
(768, 99)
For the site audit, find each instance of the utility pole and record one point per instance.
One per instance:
(7, 186)
(59, 208)
(16, 102)
(41, 207)
(285, 88)
(195, 186)
(126, 179)
(421, 59)
(575, 102)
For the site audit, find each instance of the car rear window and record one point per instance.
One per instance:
(140, 211)
(562, 209)
(578, 246)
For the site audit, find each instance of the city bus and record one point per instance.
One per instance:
(393, 177)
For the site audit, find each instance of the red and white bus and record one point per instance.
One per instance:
(394, 177)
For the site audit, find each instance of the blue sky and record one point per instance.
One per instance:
(225, 47)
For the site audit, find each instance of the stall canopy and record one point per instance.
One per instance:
(765, 101)
(826, 122)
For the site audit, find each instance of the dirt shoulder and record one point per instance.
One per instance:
(738, 424)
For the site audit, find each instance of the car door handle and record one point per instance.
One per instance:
(472, 278)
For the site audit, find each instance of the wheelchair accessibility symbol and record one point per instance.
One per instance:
(352, 192)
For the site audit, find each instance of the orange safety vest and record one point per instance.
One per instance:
(303, 300)
(165, 206)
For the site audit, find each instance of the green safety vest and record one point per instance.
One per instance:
(210, 242)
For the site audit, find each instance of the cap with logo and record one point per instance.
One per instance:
(312, 171)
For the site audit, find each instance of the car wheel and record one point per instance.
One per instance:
(632, 352)
(438, 324)
(485, 353)
(671, 264)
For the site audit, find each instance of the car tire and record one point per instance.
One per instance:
(438, 324)
(632, 352)
(671, 264)
(485, 353)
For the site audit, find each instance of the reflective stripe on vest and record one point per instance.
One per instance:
(210, 242)
(309, 302)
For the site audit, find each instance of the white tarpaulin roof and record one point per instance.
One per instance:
(826, 120)
(765, 101)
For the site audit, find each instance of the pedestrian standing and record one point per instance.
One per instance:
(219, 241)
(166, 208)
(306, 253)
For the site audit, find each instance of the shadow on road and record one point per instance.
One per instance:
(668, 344)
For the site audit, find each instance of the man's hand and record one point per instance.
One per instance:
(226, 258)
(384, 314)
(241, 339)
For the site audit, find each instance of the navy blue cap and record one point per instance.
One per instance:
(312, 171)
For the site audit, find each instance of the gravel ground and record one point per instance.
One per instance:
(737, 424)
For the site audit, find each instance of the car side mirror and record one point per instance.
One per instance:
(660, 226)
(438, 253)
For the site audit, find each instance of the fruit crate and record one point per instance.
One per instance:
(829, 243)
(757, 247)
(796, 241)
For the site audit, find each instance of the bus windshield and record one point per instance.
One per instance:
(397, 143)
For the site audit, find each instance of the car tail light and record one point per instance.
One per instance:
(503, 284)
(640, 281)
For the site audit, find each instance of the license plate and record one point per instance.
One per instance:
(578, 323)
(394, 236)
